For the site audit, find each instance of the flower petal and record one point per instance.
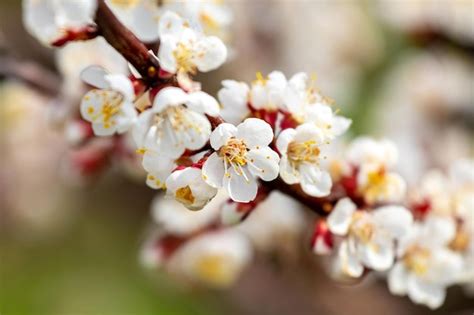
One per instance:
(430, 294)
(211, 53)
(263, 163)
(222, 134)
(398, 279)
(341, 216)
(315, 182)
(120, 83)
(213, 170)
(95, 76)
(169, 96)
(284, 139)
(240, 187)
(255, 132)
(396, 220)
(204, 103)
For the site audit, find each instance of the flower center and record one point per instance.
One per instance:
(184, 59)
(110, 108)
(234, 152)
(361, 228)
(215, 269)
(185, 195)
(417, 259)
(299, 152)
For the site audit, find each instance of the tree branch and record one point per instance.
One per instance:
(321, 206)
(127, 44)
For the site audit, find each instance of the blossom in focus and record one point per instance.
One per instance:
(184, 50)
(215, 258)
(373, 160)
(368, 237)
(187, 186)
(49, 20)
(176, 122)
(426, 265)
(302, 151)
(109, 108)
(242, 154)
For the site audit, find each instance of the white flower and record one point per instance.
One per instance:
(267, 93)
(234, 98)
(242, 155)
(48, 20)
(174, 218)
(110, 108)
(187, 186)
(426, 265)
(213, 17)
(140, 16)
(323, 117)
(302, 151)
(158, 165)
(215, 258)
(374, 180)
(176, 122)
(369, 237)
(184, 50)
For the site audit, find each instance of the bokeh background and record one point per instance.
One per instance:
(401, 69)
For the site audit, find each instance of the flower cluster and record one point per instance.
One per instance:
(225, 158)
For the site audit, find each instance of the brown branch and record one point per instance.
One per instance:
(128, 45)
(321, 206)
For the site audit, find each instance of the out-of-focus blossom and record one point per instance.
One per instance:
(187, 186)
(369, 237)
(73, 58)
(213, 17)
(449, 17)
(215, 258)
(373, 160)
(49, 20)
(302, 151)
(242, 155)
(110, 108)
(140, 16)
(426, 266)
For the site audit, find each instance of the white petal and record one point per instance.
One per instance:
(263, 163)
(240, 187)
(289, 174)
(230, 214)
(91, 104)
(255, 132)
(95, 76)
(169, 96)
(203, 103)
(348, 262)
(429, 294)
(398, 279)
(340, 125)
(213, 170)
(222, 134)
(284, 139)
(195, 131)
(100, 130)
(438, 230)
(120, 83)
(234, 98)
(156, 163)
(341, 216)
(396, 220)
(140, 129)
(166, 56)
(377, 254)
(315, 182)
(170, 24)
(211, 53)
